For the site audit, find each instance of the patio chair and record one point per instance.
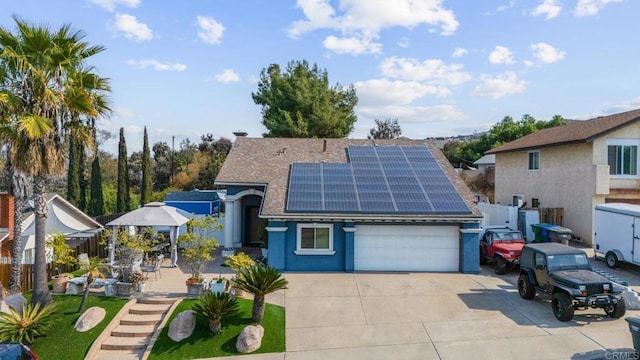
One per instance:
(154, 267)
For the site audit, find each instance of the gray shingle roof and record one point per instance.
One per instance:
(578, 132)
(267, 161)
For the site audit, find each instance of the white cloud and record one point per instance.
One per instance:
(413, 118)
(359, 21)
(386, 92)
(404, 42)
(501, 55)
(210, 31)
(227, 76)
(632, 104)
(548, 8)
(501, 8)
(157, 65)
(124, 112)
(459, 52)
(591, 7)
(110, 5)
(351, 45)
(500, 85)
(132, 28)
(432, 70)
(545, 53)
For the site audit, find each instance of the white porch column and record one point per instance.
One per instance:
(237, 223)
(229, 215)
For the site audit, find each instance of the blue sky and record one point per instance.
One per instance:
(442, 68)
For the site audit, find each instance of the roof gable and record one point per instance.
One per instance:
(578, 132)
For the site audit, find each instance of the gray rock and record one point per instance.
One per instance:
(13, 301)
(182, 326)
(90, 318)
(250, 339)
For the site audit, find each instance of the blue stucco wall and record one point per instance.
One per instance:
(469, 245)
(293, 262)
(198, 208)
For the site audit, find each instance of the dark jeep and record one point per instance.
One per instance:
(501, 247)
(564, 273)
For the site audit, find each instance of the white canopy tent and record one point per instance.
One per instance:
(152, 214)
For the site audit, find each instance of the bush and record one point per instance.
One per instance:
(215, 308)
(24, 328)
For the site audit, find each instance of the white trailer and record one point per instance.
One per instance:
(616, 237)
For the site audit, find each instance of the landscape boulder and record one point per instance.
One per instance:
(182, 326)
(250, 339)
(13, 301)
(90, 318)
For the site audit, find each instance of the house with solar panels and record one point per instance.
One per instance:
(350, 205)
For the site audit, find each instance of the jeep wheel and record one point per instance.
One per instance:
(499, 265)
(562, 306)
(525, 287)
(616, 311)
(612, 259)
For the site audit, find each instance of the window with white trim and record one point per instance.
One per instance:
(622, 158)
(315, 239)
(534, 160)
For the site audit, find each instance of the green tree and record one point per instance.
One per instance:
(73, 178)
(147, 183)
(300, 103)
(122, 199)
(53, 95)
(162, 169)
(96, 205)
(385, 129)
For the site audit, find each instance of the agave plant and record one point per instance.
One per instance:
(215, 308)
(25, 327)
(259, 280)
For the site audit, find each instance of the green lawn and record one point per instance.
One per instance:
(62, 341)
(202, 344)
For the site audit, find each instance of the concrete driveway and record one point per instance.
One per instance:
(438, 316)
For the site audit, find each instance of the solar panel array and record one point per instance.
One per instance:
(376, 180)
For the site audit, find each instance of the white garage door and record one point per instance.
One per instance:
(406, 248)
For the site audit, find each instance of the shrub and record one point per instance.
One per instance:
(215, 308)
(25, 327)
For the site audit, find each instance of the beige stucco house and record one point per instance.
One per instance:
(574, 167)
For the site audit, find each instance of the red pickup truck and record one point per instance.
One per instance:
(502, 248)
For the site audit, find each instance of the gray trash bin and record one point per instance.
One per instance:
(634, 327)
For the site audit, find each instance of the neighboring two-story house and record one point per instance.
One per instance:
(574, 167)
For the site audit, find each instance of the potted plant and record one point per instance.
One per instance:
(218, 285)
(196, 249)
(138, 281)
(63, 255)
(237, 263)
(130, 250)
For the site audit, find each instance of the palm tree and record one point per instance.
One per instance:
(93, 269)
(259, 280)
(215, 308)
(53, 95)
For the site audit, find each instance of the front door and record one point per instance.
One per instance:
(251, 225)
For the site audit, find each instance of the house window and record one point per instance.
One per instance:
(315, 239)
(623, 160)
(534, 160)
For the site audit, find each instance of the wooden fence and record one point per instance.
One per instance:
(91, 247)
(553, 216)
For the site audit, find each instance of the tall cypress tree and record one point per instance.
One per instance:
(146, 187)
(73, 180)
(96, 205)
(82, 163)
(122, 196)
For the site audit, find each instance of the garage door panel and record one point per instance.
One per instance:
(406, 248)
